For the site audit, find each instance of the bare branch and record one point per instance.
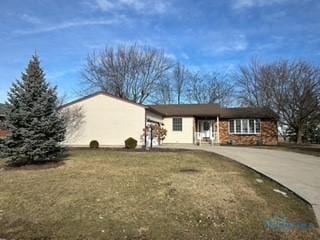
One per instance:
(210, 88)
(291, 89)
(129, 72)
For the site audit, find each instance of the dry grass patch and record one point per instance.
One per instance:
(144, 195)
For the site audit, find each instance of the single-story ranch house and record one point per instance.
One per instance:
(111, 120)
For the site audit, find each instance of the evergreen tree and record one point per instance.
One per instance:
(36, 126)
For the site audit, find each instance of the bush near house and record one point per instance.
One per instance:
(94, 144)
(131, 143)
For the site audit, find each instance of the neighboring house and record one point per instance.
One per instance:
(111, 120)
(3, 131)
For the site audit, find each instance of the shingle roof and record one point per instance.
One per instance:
(248, 112)
(187, 109)
(195, 110)
(202, 110)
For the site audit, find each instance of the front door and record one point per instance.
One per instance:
(205, 128)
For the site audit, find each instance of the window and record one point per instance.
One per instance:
(231, 124)
(258, 126)
(244, 126)
(176, 124)
(238, 126)
(206, 126)
(251, 126)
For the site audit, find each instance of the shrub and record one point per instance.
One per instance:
(94, 144)
(131, 143)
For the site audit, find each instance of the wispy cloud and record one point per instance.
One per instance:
(141, 6)
(219, 43)
(235, 44)
(171, 56)
(185, 56)
(53, 76)
(69, 24)
(30, 19)
(243, 4)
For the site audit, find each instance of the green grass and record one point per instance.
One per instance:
(103, 194)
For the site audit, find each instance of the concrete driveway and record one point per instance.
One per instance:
(298, 172)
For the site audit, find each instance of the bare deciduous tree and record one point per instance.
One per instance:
(129, 72)
(172, 88)
(291, 89)
(179, 80)
(164, 93)
(251, 85)
(210, 88)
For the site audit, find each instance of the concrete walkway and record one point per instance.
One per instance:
(298, 172)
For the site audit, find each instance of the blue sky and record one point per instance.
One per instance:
(203, 34)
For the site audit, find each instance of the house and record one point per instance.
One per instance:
(3, 131)
(111, 120)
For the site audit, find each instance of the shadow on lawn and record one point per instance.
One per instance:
(122, 149)
(39, 165)
(36, 166)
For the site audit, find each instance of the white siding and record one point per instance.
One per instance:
(108, 120)
(184, 136)
(154, 117)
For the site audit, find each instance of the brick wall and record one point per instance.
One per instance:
(3, 133)
(268, 136)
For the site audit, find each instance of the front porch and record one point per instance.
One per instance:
(206, 130)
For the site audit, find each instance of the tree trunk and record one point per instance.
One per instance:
(299, 135)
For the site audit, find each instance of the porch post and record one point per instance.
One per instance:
(210, 135)
(197, 132)
(198, 126)
(194, 128)
(218, 131)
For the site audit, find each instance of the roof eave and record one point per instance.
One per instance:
(102, 93)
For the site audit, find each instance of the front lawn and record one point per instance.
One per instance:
(104, 194)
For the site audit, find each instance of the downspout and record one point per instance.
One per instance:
(151, 137)
(145, 128)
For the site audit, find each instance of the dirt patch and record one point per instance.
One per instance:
(189, 170)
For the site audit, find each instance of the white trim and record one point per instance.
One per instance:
(204, 132)
(82, 99)
(212, 133)
(175, 118)
(248, 127)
